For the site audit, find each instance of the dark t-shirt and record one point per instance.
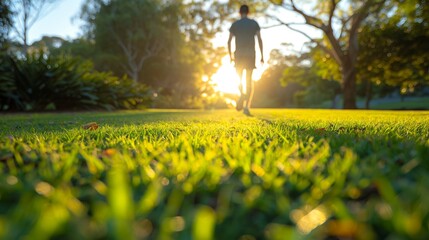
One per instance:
(244, 31)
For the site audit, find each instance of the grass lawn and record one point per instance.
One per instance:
(421, 103)
(282, 174)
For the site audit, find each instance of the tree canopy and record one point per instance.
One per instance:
(395, 49)
(6, 22)
(340, 22)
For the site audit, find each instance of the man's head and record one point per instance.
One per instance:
(244, 10)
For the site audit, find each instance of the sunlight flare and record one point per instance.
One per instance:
(226, 80)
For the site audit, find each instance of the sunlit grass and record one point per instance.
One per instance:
(283, 174)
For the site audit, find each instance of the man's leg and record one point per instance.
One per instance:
(240, 76)
(240, 100)
(249, 88)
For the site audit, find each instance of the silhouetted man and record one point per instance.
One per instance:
(244, 31)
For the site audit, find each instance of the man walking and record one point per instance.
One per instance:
(244, 31)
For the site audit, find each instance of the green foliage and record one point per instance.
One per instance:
(80, 47)
(130, 31)
(294, 174)
(42, 82)
(308, 70)
(6, 80)
(340, 23)
(5, 23)
(270, 93)
(394, 48)
(324, 65)
(164, 44)
(116, 93)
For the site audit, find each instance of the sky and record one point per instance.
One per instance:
(62, 21)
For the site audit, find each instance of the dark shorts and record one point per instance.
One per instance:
(245, 62)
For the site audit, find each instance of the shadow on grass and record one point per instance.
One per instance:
(368, 142)
(60, 122)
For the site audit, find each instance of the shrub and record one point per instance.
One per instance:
(7, 86)
(41, 82)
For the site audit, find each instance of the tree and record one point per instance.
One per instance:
(394, 48)
(319, 85)
(199, 22)
(48, 44)
(131, 31)
(5, 23)
(28, 12)
(176, 35)
(340, 23)
(269, 90)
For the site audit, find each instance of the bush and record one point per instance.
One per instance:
(7, 86)
(41, 82)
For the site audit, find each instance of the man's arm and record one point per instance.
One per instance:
(229, 46)
(261, 46)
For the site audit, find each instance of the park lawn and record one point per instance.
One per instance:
(282, 174)
(421, 103)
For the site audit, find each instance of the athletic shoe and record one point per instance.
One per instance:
(247, 112)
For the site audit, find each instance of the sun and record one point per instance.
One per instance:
(226, 79)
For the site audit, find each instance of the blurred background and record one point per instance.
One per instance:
(133, 54)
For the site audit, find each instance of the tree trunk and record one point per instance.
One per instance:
(135, 75)
(349, 86)
(25, 32)
(25, 46)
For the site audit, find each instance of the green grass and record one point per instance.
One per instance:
(409, 103)
(422, 103)
(282, 174)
